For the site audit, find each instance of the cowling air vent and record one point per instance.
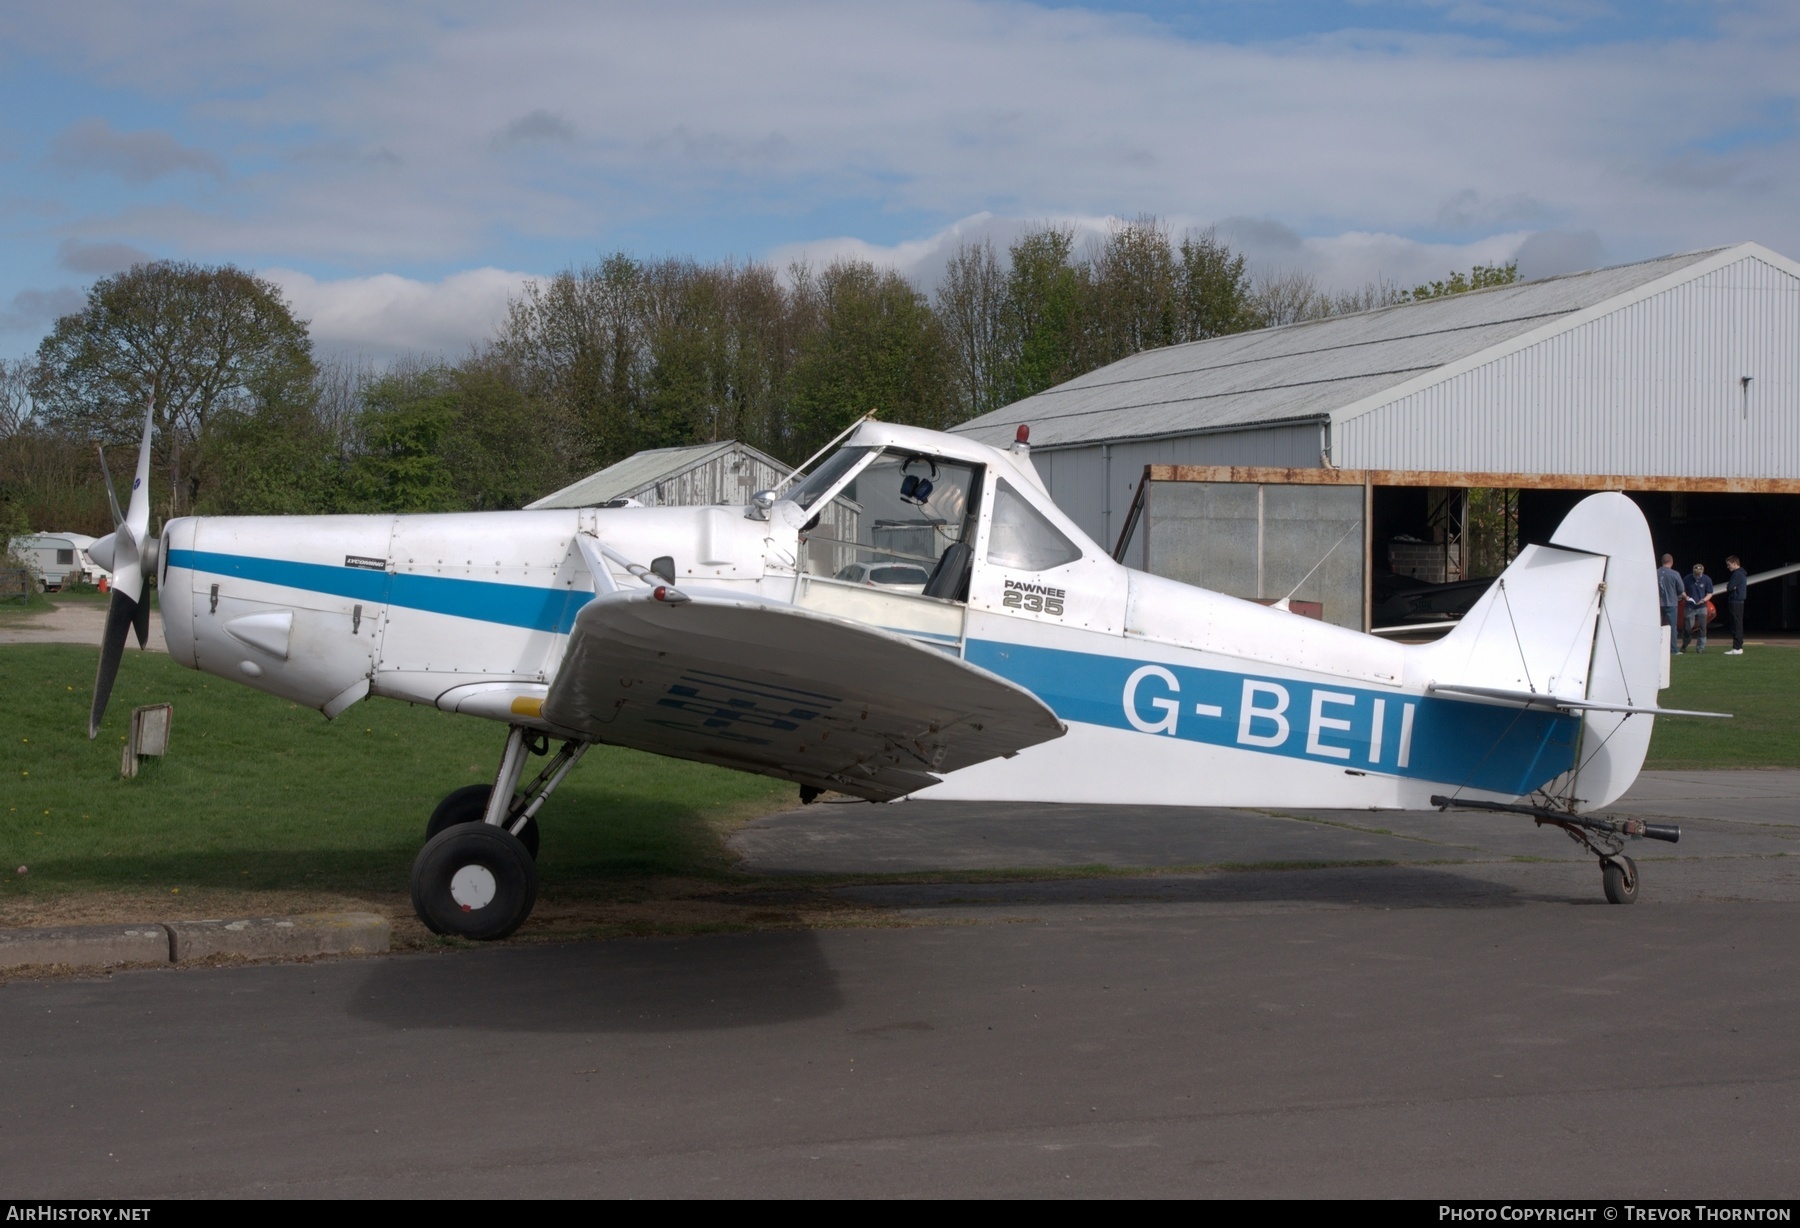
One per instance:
(268, 632)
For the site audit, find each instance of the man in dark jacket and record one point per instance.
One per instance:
(1693, 619)
(1668, 593)
(1737, 588)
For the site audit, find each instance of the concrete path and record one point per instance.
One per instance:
(1458, 1023)
(75, 622)
(1723, 815)
(1456, 1041)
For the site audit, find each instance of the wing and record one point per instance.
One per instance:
(785, 692)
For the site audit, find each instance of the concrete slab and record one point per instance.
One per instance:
(346, 933)
(1205, 1048)
(1722, 814)
(75, 622)
(84, 946)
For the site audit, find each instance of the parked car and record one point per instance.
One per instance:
(58, 559)
(901, 577)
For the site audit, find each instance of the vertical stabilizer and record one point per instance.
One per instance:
(1577, 619)
(1628, 651)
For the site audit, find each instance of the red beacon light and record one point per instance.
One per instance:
(1022, 438)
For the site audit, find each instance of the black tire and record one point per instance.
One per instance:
(467, 805)
(474, 881)
(1617, 892)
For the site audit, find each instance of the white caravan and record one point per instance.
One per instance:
(58, 558)
(1029, 666)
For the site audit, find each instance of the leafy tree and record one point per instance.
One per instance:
(1041, 316)
(1212, 289)
(578, 343)
(401, 466)
(281, 460)
(1480, 278)
(502, 450)
(876, 346)
(209, 340)
(1131, 297)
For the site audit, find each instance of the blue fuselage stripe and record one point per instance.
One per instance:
(1467, 745)
(514, 605)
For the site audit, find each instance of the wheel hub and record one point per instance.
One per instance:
(473, 887)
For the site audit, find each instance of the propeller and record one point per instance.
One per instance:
(130, 553)
(112, 500)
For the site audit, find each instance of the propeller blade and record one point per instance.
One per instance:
(140, 620)
(112, 499)
(119, 617)
(125, 547)
(137, 516)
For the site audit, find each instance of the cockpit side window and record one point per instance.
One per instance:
(1022, 538)
(894, 521)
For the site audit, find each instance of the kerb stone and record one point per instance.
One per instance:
(342, 933)
(84, 946)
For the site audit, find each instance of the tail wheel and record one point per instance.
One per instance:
(1621, 880)
(469, 805)
(474, 880)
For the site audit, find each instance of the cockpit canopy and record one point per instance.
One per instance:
(905, 519)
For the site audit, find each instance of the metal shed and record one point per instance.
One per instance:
(702, 475)
(1677, 379)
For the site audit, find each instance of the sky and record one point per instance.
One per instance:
(400, 170)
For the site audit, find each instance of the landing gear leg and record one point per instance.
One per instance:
(476, 877)
(1605, 838)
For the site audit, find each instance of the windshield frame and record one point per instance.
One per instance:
(832, 485)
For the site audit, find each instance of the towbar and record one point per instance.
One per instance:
(1635, 828)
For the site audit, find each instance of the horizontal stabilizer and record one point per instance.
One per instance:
(785, 692)
(1541, 699)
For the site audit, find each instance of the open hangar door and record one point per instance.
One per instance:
(1378, 549)
(1761, 527)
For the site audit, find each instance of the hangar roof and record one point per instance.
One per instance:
(643, 470)
(1332, 369)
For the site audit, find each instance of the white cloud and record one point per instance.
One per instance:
(136, 157)
(1401, 155)
(387, 315)
(101, 258)
(536, 128)
(34, 308)
(1348, 260)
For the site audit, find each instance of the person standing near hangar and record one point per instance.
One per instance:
(1699, 608)
(1668, 592)
(1737, 588)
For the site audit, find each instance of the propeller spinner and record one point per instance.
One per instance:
(130, 553)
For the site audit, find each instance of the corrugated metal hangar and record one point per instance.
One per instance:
(702, 474)
(1361, 456)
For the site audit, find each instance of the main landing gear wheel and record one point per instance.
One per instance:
(469, 805)
(474, 880)
(1621, 880)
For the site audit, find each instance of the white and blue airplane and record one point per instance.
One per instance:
(914, 617)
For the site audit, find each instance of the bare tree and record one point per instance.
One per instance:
(15, 396)
(971, 302)
(1288, 297)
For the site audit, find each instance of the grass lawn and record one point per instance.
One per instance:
(266, 807)
(1762, 691)
(30, 605)
(261, 795)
